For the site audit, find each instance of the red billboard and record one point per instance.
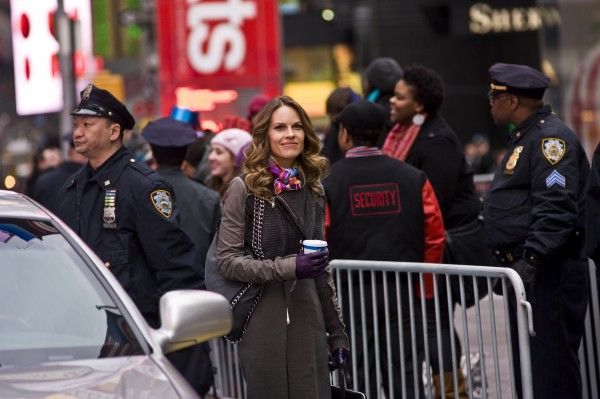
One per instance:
(215, 55)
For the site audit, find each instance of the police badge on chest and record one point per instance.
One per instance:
(109, 216)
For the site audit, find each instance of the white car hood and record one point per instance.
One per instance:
(122, 377)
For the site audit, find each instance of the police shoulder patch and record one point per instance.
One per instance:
(161, 199)
(553, 149)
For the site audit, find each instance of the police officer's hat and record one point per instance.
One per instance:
(99, 102)
(362, 116)
(169, 133)
(520, 80)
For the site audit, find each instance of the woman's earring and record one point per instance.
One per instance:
(418, 119)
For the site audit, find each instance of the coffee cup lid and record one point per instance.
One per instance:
(314, 243)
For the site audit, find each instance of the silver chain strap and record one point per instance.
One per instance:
(257, 227)
(259, 214)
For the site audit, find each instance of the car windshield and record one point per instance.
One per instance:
(52, 306)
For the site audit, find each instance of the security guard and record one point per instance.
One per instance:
(391, 209)
(123, 210)
(199, 207)
(534, 220)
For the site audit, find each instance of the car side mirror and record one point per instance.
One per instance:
(190, 317)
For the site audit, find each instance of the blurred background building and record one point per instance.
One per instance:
(215, 55)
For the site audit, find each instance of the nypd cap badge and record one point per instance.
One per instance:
(553, 149)
(161, 199)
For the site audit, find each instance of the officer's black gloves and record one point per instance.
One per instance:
(525, 270)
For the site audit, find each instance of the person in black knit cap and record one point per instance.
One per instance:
(390, 208)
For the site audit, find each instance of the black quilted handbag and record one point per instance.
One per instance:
(243, 297)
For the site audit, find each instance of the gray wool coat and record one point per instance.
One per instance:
(284, 350)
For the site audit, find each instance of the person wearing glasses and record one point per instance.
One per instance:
(534, 223)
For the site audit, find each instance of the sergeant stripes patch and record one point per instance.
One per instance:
(555, 178)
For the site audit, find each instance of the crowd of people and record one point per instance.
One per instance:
(390, 174)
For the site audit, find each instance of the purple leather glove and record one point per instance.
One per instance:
(312, 264)
(338, 358)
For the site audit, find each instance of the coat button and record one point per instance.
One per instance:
(107, 264)
(497, 252)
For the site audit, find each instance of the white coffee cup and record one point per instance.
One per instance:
(310, 246)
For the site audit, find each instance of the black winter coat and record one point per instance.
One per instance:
(140, 241)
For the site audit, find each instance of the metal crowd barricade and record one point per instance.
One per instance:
(483, 331)
(589, 351)
(366, 286)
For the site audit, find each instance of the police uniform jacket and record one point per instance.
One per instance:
(140, 241)
(199, 208)
(536, 200)
(438, 152)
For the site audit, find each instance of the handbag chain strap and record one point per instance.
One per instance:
(257, 227)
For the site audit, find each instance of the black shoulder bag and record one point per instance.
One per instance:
(243, 297)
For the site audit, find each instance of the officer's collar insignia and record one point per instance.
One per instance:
(555, 178)
(109, 216)
(161, 199)
(512, 161)
(86, 92)
(553, 149)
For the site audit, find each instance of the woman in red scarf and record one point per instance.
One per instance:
(422, 138)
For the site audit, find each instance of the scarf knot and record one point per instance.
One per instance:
(285, 179)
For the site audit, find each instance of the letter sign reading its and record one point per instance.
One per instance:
(223, 45)
(374, 199)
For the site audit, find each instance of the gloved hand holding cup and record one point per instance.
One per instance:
(314, 259)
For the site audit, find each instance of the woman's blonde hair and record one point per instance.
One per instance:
(311, 164)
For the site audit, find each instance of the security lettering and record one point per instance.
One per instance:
(374, 199)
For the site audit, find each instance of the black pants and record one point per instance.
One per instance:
(559, 307)
(195, 366)
(400, 365)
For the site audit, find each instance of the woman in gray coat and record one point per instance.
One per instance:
(266, 213)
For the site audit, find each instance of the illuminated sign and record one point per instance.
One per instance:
(483, 18)
(38, 83)
(213, 52)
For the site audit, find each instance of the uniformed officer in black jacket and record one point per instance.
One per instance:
(123, 210)
(199, 207)
(534, 220)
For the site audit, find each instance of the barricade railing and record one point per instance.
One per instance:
(589, 351)
(398, 351)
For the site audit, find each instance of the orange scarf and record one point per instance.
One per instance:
(400, 140)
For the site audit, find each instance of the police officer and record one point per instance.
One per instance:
(123, 210)
(199, 208)
(534, 220)
(390, 208)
